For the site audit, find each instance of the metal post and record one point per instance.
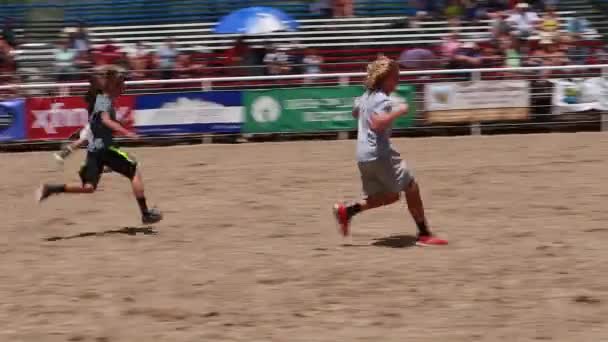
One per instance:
(475, 128)
(206, 85)
(604, 118)
(344, 80)
(64, 91)
(476, 76)
(342, 135)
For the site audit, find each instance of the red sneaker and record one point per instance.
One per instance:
(430, 240)
(342, 218)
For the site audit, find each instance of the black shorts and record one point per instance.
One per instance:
(115, 159)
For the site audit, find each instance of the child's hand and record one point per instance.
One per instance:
(132, 135)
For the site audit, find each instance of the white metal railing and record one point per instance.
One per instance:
(207, 82)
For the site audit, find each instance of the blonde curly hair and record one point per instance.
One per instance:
(378, 71)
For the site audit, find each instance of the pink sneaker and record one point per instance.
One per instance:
(342, 218)
(430, 240)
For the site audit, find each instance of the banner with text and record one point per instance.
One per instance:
(477, 101)
(187, 113)
(12, 120)
(61, 117)
(311, 109)
(580, 95)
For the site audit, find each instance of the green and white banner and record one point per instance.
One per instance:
(303, 110)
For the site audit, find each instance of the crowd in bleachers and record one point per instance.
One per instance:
(8, 42)
(519, 34)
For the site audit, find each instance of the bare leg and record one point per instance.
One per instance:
(149, 216)
(345, 213)
(416, 208)
(414, 202)
(79, 189)
(138, 185)
(48, 190)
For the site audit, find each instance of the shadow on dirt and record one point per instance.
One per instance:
(396, 241)
(125, 231)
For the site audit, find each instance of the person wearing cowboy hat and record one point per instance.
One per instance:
(524, 21)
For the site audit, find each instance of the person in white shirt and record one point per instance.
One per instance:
(523, 21)
(277, 61)
(312, 64)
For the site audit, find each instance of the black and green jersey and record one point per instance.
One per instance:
(103, 137)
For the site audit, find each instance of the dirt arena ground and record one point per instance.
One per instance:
(250, 252)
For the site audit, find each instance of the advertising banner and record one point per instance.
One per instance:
(580, 95)
(12, 120)
(477, 101)
(187, 113)
(312, 109)
(60, 117)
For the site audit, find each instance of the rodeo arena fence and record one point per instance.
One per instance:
(442, 102)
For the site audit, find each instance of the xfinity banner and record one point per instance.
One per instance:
(189, 113)
(60, 117)
(12, 120)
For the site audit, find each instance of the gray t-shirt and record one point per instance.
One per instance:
(372, 145)
(102, 135)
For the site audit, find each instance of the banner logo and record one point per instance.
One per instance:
(266, 109)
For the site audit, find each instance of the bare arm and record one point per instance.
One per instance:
(380, 122)
(115, 126)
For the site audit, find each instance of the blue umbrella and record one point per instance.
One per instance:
(256, 20)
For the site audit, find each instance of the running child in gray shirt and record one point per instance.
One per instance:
(384, 175)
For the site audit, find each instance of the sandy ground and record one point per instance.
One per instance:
(250, 252)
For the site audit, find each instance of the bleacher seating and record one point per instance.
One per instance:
(344, 43)
(130, 12)
(326, 35)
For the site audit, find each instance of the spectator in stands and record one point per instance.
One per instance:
(523, 21)
(7, 62)
(577, 53)
(343, 8)
(277, 61)
(453, 12)
(322, 8)
(466, 57)
(83, 62)
(577, 25)
(549, 55)
(449, 46)
(512, 51)
(65, 61)
(550, 23)
(599, 55)
(8, 32)
(167, 54)
(138, 58)
(499, 24)
(80, 39)
(473, 10)
(415, 22)
(238, 57)
(490, 57)
(312, 64)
